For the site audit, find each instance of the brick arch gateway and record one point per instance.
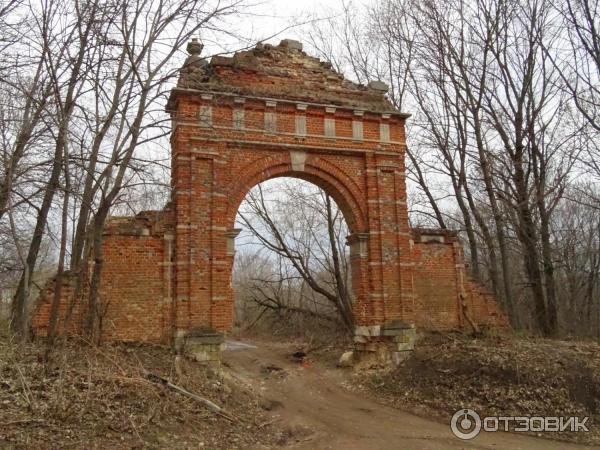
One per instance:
(269, 112)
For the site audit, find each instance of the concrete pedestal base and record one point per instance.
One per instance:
(201, 345)
(380, 346)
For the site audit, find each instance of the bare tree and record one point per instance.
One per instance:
(576, 229)
(303, 228)
(92, 90)
(495, 133)
(66, 75)
(144, 76)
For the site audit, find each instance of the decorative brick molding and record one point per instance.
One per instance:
(270, 112)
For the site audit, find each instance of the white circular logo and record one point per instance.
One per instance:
(465, 424)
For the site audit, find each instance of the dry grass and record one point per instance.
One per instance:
(99, 398)
(313, 332)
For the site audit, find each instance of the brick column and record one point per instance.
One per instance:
(388, 332)
(182, 192)
(375, 279)
(199, 251)
(359, 252)
(223, 298)
(168, 305)
(406, 264)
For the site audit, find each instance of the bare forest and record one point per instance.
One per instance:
(503, 145)
(83, 127)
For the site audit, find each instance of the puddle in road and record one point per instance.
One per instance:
(237, 345)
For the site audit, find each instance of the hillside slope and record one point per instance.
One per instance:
(498, 376)
(101, 398)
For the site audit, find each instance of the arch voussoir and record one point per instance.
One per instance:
(316, 170)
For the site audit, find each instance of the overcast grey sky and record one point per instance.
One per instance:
(276, 17)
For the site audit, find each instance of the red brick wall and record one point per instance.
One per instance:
(214, 166)
(41, 315)
(133, 290)
(138, 308)
(436, 286)
(441, 280)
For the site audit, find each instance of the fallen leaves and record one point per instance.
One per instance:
(498, 375)
(99, 397)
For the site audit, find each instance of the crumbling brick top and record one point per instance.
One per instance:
(418, 234)
(144, 223)
(280, 72)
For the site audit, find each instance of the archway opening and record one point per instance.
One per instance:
(292, 271)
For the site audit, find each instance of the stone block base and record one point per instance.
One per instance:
(383, 346)
(201, 345)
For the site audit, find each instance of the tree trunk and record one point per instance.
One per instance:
(344, 302)
(19, 306)
(54, 309)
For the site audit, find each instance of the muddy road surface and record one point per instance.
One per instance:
(311, 401)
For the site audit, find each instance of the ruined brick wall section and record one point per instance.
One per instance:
(483, 306)
(440, 278)
(133, 289)
(436, 303)
(41, 312)
(281, 71)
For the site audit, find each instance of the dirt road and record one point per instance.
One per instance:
(320, 413)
